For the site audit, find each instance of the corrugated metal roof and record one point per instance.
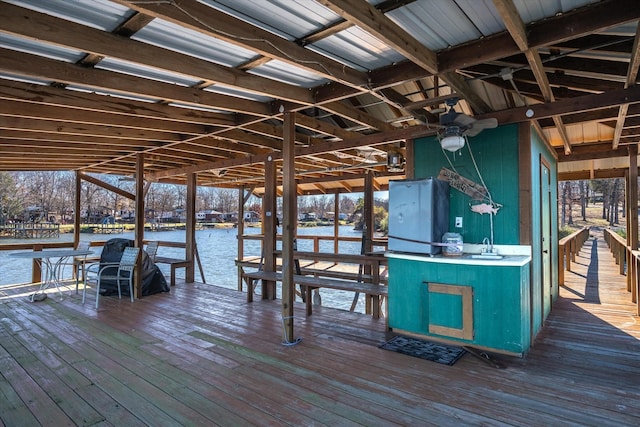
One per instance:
(102, 14)
(39, 48)
(436, 24)
(357, 48)
(285, 72)
(237, 93)
(16, 78)
(162, 33)
(291, 19)
(88, 89)
(126, 67)
(531, 11)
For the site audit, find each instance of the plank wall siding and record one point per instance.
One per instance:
(200, 355)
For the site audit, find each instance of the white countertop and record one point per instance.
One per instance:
(512, 256)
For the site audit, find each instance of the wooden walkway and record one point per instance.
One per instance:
(200, 355)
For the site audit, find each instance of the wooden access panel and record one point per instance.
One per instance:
(466, 296)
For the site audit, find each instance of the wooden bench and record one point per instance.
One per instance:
(175, 263)
(375, 291)
(326, 265)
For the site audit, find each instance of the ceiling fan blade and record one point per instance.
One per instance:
(464, 121)
(480, 125)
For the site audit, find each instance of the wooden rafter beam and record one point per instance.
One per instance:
(380, 138)
(377, 24)
(52, 96)
(106, 185)
(367, 17)
(108, 81)
(632, 76)
(576, 105)
(38, 26)
(214, 23)
(591, 152)
(517, 30)
(581, 22)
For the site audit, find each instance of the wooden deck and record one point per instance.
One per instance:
(200, 355)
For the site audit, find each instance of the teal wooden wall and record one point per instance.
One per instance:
(539, 150)
(496, 154)
(500, 309)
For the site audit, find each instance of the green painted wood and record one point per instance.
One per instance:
(539, 150)
(501, 304)
(450, 318)
(496, 154)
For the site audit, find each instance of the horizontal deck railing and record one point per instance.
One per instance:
(376, 242)
(628, 261)
(36, 271)
(568, 247)
(370, 263)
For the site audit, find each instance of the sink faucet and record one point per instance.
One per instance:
(488, 247)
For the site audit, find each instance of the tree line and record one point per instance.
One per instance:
(578, 195)
(42, 196)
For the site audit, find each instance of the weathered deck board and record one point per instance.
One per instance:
(200, 355)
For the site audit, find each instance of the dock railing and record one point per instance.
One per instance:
(36, 270)
(30, 230)
(568, 247)
(316, 240)
(627, 260)
(370, 263)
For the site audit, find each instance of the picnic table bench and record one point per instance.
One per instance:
(310, 283)
(317, 270)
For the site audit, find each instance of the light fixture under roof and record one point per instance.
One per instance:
(452, 142)
(395, 161)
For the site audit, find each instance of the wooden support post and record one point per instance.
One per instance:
(139, 221)
(561, 265)
(269, 227)
(336, 222)
(525, 187)
(409, 166)
(369, 225)
(36, 266)
(632, 197)
(76, 210)
(632, 221)
(240, 230)
(190, 239)
(288, 225)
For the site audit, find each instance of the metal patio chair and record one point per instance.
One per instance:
(152, 250)
(79, 262)
(97, 272)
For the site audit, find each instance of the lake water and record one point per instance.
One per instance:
(217, 247)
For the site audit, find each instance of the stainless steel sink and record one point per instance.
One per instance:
(486, 256)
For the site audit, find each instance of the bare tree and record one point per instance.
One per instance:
(563, 204)
(206, 198)
(227, 200)
(584, 197)
(10, 201)
(613, 202)
(347, 205)
(63, 202)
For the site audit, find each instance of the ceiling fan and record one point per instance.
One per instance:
(456, 126)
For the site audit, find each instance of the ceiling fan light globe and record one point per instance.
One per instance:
(452, 143)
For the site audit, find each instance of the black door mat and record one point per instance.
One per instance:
(435, 352)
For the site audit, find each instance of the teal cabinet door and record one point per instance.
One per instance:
(480, 305)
